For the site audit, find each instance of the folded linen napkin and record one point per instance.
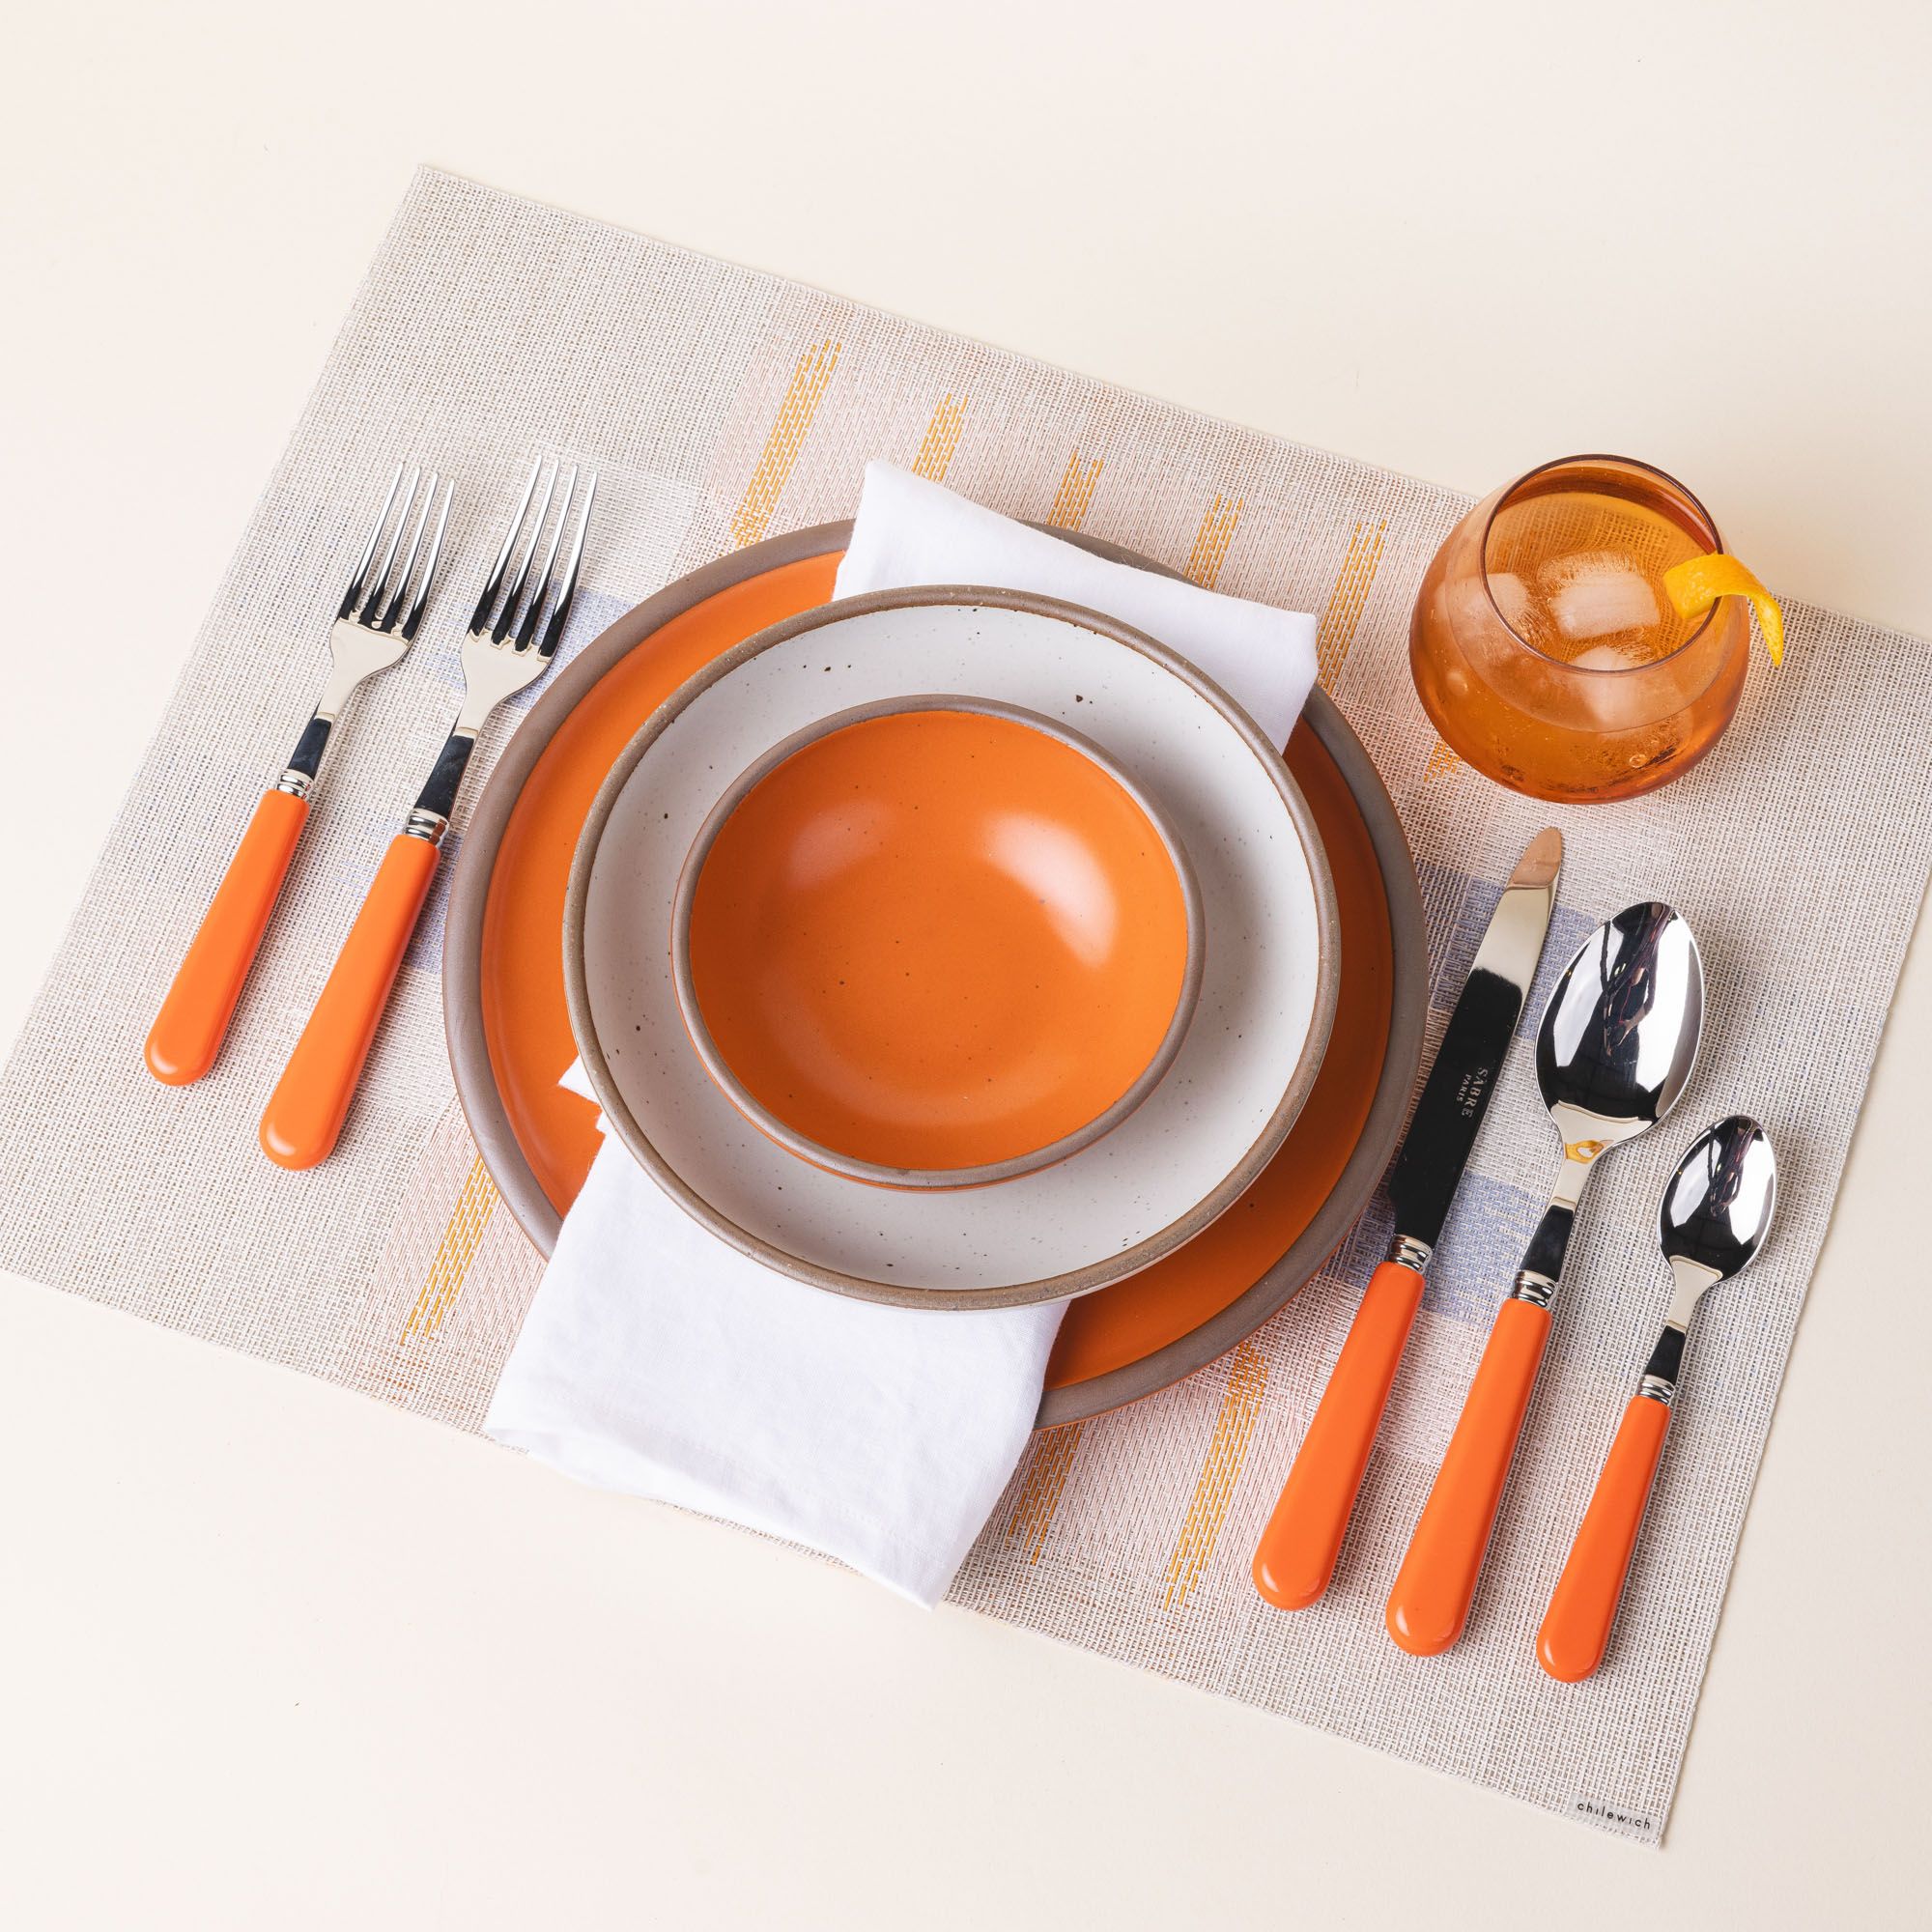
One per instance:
(912, 531)
(657, 1360)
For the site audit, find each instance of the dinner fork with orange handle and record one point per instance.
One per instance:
(305, 1114)
(374, 625)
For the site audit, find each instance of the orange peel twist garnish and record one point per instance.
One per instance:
(1698, 582)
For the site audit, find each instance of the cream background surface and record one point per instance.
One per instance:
(277, 1656)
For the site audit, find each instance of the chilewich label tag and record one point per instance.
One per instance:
(1608, 1817)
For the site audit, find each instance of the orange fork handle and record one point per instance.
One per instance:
(305, 1112)
(1430, 1603)
(188, 1029)
(1576, 1627)
(1304, 1537)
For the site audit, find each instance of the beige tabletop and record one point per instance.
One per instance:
(278, 1657)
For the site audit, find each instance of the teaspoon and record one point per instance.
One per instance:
(1715, 1215)
(1612, 1054)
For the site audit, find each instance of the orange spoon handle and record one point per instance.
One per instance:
(1298, 1549)
(305, 1112)
(188, 1029)
(1430, 1603)
(1576, 1627)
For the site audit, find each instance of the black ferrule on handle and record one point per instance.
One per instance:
(1550, 1242)
(306, 759)
(438, 795)
(1667, 1359)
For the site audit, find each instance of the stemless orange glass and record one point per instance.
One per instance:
(1547, 650)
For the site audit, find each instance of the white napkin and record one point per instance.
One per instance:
(912, 531)
(657, 1360)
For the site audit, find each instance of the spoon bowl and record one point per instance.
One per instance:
(1718, 1207)
(1619, 1036)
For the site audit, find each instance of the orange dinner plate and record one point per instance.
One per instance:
(509, 1030)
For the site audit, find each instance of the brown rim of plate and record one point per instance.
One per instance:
(489, 1119)
(986, 1173)
(1097, 1273)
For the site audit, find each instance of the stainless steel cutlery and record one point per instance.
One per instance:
(1298, 1550)
(513, 636)
(1615, 1047)
(1715, 1215)
(376, 623)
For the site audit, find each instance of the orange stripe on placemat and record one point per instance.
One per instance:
(1207, 1509)
(1212, 540)
(802, 398)
(942, 439)
(1343, 612)
(1075, 496)
(1048, 1461)
(1441, 762)
(461, 1239)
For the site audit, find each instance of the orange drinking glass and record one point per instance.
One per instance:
(1549, 653)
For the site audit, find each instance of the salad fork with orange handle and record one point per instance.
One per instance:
(304, 1115)
(375, 626)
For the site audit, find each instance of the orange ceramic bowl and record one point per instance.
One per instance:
(936, 942)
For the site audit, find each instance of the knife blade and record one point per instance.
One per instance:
(1456, 1096)
(1298, 1550)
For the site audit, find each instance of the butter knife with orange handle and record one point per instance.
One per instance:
(1299, 1548)
(376, 624)
(305, 1114)
(1716, 1213)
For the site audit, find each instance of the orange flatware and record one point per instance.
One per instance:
(1716, 1213)
(1576, 1627)
(305, 1114)
(936, 941)
(1436, 1584)
(1299, 1548)
(374, 625)
(312, 1097)
(193, 1020)
(1615, 1047)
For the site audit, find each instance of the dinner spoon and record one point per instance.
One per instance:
(1615, 1047)
(1713, 1218)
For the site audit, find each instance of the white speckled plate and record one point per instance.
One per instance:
(1268, 994)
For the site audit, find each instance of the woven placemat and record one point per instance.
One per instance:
(722, 406)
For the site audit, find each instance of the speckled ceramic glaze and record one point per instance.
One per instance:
(985, 934)
(1262, 1021)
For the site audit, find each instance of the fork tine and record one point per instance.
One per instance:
(567, 589)
(372, 601)
(533, 610)
(423, 583)
(487, 602)
(500, 630)
(355, 591)
(386, 622)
